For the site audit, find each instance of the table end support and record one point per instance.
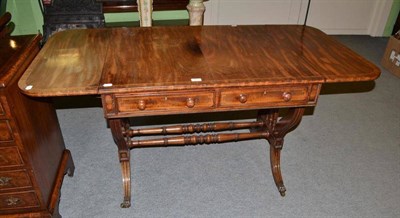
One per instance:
(277, 128)
(118, 129)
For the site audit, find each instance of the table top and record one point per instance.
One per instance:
(115, 60)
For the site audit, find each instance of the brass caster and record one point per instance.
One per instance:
(125, 204)
(282, 191)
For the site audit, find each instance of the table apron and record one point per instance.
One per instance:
(136, 104)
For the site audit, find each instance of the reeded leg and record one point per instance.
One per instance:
(275, 160)
(118, 127)
(277, 129)
(126, 182)
(196, 10)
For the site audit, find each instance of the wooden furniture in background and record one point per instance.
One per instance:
(66, 14)
(189, 70)
(60, 15)
(33, 159)
(112, 6)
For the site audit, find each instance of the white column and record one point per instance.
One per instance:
(196, 10)
(145, 9)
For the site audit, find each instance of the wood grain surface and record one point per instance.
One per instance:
(70, 63)
(100, 61)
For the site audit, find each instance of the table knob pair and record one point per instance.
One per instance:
(190, 103)
(287, 96)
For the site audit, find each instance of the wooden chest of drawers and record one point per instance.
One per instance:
(33, 159)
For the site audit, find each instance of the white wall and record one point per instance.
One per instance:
(332, 16)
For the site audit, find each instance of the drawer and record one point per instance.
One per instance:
(5, 131)
(18, 200)
(267, 96)
(14, 179)
(10, 156)
(165, 102)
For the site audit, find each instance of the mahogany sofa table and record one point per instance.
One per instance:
(183, 70)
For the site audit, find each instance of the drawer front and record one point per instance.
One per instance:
(10, 157)
(14, 179)
(267, 96)
(5, 131)
(18, 200)
(165, 102)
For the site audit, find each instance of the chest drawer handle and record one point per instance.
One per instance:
(4, 181)
(141, 105)
(287, 96)
(11, 201)
(190, 102)
(243, 98)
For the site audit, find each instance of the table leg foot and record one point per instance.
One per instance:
(282, 190)
(125, 204)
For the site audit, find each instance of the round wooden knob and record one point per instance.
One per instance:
(190, 102)
(242, 98)
(141, 105)
(287, 96)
